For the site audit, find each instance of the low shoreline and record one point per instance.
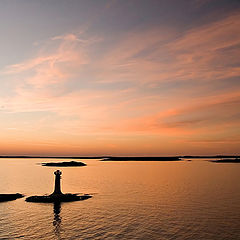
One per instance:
(142, 159)
(107, 156)
(130, 158)
(236, 160)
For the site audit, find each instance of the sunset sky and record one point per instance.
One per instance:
(119, 77)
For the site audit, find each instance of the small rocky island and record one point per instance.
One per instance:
(64, 164)
(10, 197)
(57, 195)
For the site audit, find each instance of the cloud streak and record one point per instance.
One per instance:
(153, 83)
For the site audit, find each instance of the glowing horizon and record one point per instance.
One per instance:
(120, 78)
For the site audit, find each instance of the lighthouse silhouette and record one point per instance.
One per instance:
(57, 196)
(57, 188)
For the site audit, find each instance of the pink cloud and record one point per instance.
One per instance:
(51, 66)
(206, 53)
(142, 60)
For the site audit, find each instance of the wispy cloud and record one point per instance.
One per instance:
(50, 66)
(121, 91)
(209, 52)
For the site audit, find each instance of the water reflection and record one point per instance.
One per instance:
(57, 218)
(154, 200)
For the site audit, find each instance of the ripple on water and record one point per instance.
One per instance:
(147, 200)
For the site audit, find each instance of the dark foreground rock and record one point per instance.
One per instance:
(68, 197)
(236, 160)
(10, 197)
(64, 164)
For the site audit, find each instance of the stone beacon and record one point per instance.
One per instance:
(57, 188)
(57, 196)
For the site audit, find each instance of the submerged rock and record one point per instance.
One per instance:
(64, 164)
(10, 197)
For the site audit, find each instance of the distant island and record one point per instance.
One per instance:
(53, 157)
(142, 159)
(64, 164)
(211, 156)
(231, 160)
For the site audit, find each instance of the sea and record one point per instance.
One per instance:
(144, 200)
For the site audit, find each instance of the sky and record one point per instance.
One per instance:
(119, 77)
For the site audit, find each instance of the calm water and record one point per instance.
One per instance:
(131, 200)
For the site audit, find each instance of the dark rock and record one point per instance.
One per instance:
(10, 197)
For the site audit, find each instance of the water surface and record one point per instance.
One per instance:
(131, 200)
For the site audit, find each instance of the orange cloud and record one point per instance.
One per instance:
(74, 97)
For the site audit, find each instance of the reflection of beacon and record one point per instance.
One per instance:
(57, 189)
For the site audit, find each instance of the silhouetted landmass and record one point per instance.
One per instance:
(48, 157)
(236, 160)
(10, 197)
(145, 158)
(141, 159)
(215, 156)
(64, 164)
(68, 197)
